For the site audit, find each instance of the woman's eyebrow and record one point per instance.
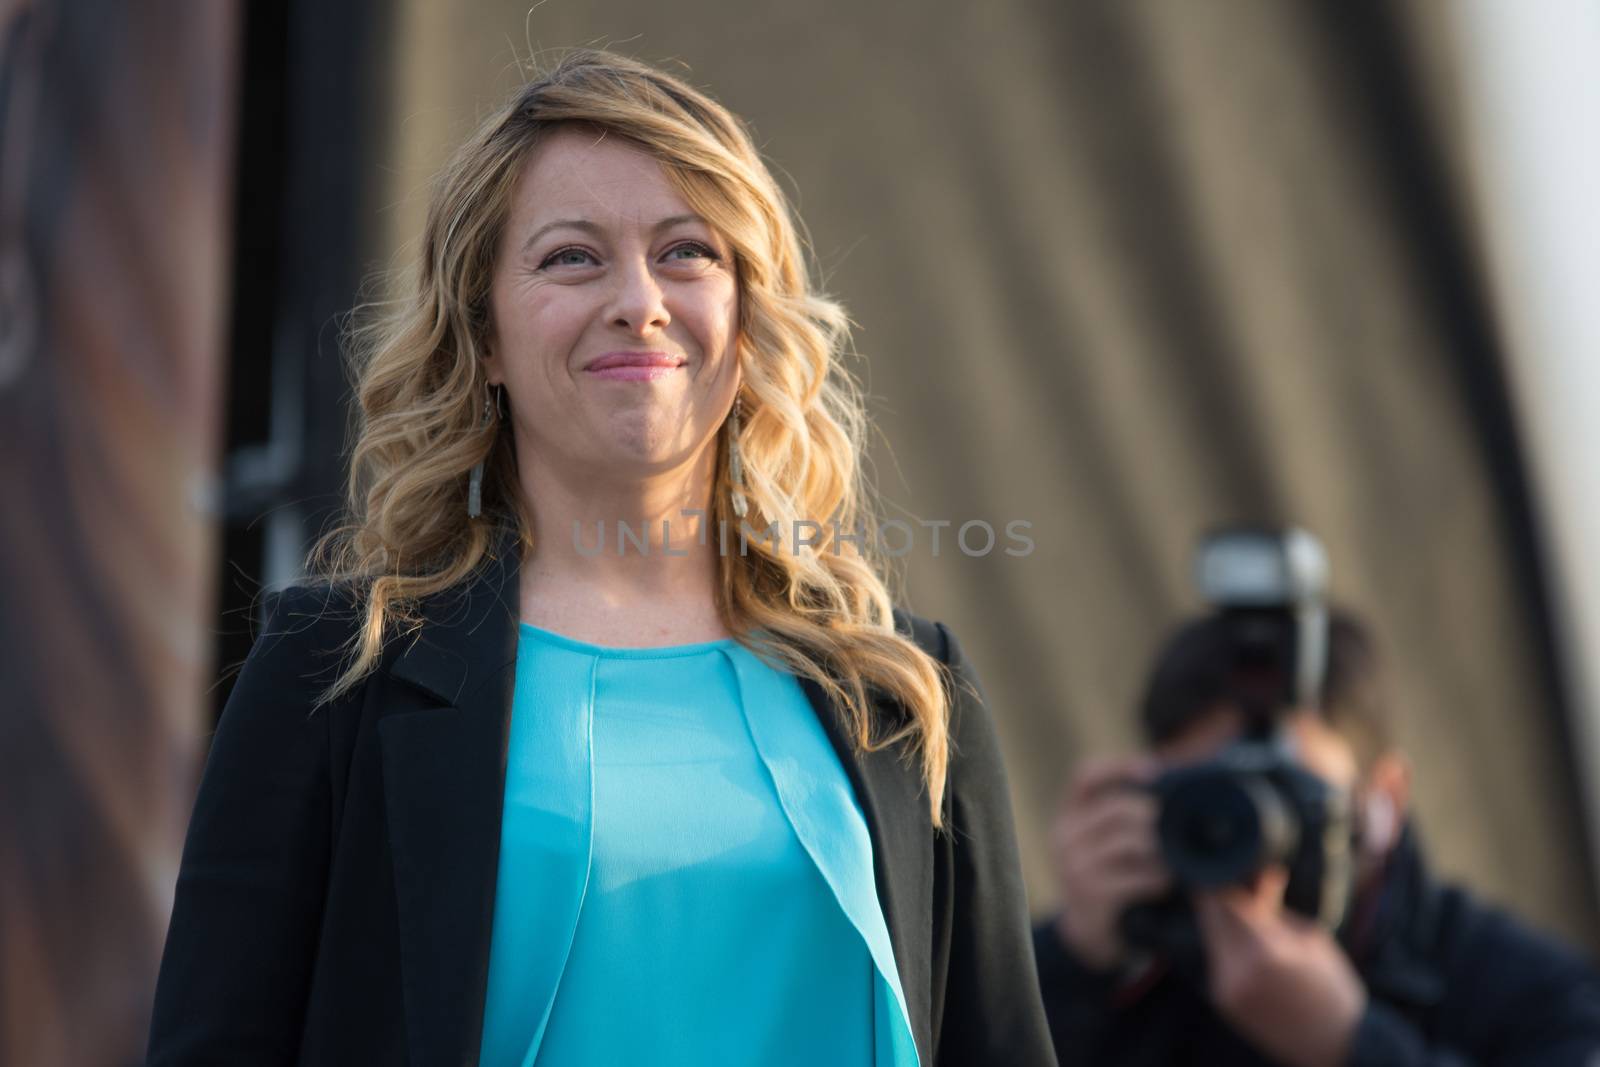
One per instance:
(595, 229)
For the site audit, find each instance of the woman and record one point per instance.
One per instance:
(560, 759)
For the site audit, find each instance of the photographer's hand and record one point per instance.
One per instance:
(1281, 981)
(1105, 855)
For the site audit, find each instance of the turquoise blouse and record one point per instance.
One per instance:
(685, 874)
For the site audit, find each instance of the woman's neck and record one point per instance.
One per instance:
(622, 562)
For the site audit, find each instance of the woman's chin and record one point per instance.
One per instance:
(648, 440)
(647, 455)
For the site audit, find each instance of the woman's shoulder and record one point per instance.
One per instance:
(937, 640)
(930, 636)
(306, 630)
(974, 742)
(311, 607)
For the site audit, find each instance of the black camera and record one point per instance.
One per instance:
(1221, 821)
(1224, 820)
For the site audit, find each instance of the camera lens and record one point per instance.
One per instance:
(1220, 829)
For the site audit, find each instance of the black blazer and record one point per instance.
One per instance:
(336, 892)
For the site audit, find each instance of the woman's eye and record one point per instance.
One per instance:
(567, 257)
(695, 250)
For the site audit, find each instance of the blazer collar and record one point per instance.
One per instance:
(469, 633)
(444, 785)
(894, 802)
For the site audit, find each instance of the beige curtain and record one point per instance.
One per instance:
(1123, 271)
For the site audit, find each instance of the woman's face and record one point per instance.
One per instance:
(614, 315)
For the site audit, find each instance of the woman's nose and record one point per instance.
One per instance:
(638, 302)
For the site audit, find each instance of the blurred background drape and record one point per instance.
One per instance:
(1122, 271)
(116, 151)
(1125, 271)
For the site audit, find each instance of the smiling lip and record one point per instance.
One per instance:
(634, 366)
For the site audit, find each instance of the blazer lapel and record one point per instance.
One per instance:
(444, 783)
(896, 809)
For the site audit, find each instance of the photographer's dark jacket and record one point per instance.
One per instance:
(336, 894)
(1451, 983)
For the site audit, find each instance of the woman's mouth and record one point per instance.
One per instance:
(634, 366)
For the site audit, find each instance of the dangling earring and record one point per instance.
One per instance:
(491, 407)
(736, 461)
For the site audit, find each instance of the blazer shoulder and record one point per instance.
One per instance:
(307, 628)
(311, 606)
(930, 636)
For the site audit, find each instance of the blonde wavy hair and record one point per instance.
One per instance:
(826, 612)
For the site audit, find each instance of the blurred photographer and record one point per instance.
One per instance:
(1251, 891)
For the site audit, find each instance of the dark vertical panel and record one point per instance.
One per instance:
(311, 85)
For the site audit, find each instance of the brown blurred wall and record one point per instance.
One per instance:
(1126, 271)
(115, 146)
